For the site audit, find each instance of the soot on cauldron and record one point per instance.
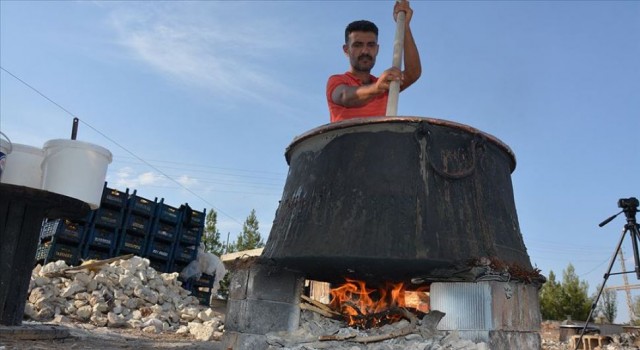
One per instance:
(396, 199)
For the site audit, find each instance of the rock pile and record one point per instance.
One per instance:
(124, 293)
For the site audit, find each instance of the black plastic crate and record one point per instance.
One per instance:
(54, 251)
(160, 250)
(159, 265)
(165, 232)
(103, 237)
(205, 281)
(178, 266)
(168, 213)
(87, 218)
(185, 253)
(141, 206)
(95, 254)
(197, 218)
(131, 244)
(193, 217)
(191, 235)
(203, 295)
(108, 217)
(114, 198)
(63, 229)
(136, 223)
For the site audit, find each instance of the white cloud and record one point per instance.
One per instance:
(187, 181)
(127, 177)
(203, 46)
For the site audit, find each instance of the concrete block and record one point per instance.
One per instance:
(515, 340)
(244, 341)
(515, 306)
(261, 316)
(238, 284)
(275, 284)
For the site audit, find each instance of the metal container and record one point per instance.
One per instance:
(396, 199)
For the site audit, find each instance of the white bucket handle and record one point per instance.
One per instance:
(9, 141)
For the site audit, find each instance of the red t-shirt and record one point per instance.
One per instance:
(377, 107)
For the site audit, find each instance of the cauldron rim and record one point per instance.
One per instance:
(401, 119)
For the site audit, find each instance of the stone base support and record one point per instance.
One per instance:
(505, 315)
(262, 299)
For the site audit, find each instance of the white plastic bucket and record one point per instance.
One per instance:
(76, 169)
(23, 167)
(5, 148)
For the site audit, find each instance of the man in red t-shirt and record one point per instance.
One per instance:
(357, 93)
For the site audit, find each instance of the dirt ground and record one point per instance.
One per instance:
(79, 336)
(75, 335)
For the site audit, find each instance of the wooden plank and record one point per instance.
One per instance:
(243, 254)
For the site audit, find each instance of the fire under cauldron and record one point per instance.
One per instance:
(403, 198)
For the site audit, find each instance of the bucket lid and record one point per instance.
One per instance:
(20, 148)
(66, 143)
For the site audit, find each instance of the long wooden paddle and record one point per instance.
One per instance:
(398, 47)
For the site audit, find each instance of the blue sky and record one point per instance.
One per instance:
(210, 93)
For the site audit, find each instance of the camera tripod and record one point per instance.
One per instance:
(629, 208)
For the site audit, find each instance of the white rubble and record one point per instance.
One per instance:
(125, 293)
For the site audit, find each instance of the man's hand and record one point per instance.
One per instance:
(385, 79)
(403, 5)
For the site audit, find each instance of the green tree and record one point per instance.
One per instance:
(211, 235)
(575, 300)
(607, 304)
(250, 237)
(567, 299)
(550, 296)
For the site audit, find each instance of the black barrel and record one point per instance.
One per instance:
(396, 199)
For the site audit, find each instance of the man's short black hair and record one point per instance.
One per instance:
(360, 26)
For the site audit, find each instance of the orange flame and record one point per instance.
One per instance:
(367, 307)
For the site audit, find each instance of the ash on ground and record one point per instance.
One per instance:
(423, 337)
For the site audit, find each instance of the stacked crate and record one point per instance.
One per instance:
(165, 231)
(104, 228)
(190, 235)
(61, 239)
(129, 224)
(186, 250)
(136, 225)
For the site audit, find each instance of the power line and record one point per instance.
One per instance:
(37, 91)
(121, 146)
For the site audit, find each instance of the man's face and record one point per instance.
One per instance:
(362, 50)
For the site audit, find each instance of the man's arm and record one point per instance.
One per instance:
(355, 96)
(412, 65)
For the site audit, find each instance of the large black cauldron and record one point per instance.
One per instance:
(394, 199)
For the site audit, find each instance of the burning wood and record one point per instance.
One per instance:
(363, 307)
(316, 306)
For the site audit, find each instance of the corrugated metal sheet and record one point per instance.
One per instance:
(467, 305)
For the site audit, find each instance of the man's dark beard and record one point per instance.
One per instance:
(358, 67)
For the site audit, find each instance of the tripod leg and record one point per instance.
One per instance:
(633, 232)
(606, 277)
